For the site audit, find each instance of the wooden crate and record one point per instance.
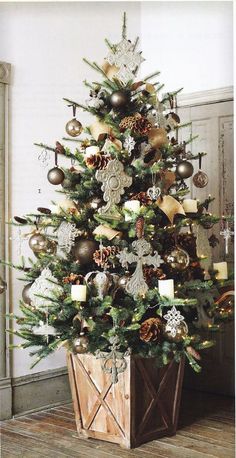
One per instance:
(142, 406)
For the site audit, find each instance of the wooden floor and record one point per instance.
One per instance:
(206, 429)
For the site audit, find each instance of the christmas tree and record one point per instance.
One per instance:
(117, 265)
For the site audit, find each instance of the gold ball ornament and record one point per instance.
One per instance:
(25, 293)
(38, 242)
(181, 333)
(184, 169)
(74, 128)
(157, 137)
(177, 258)
(80, 344)
(83, 251)
(56, 176)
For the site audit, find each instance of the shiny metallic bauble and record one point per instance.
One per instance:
(184, 169)
(55, 176)
(3, 286)
(119, 99)
(80, 344)
(200, 179)
(122, 282)
(181, 333)
(177, 258)
(25, 294)
(74, 127)
(83, 250)
(38, 242)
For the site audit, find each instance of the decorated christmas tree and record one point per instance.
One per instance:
(117, 261)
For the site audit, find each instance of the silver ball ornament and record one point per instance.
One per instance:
(83, 250)
(38, 242)
(80, 344)
(74, 127)
(181, 333)
(184, 169)
(177, 258)
(56, 176)
(25, 294)
(119, 99)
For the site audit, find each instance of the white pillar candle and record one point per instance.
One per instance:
(190, 205)
(132, 206)
(166, 288)
(91, 150)
(79, 293)
(222, 269)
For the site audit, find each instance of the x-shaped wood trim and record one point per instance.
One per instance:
(155, 395)
(100, 401)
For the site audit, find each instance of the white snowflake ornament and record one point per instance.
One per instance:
(66, 235)
(129, 144)
(173, 318)
(45, 285)
(44, 329)
(126, 59)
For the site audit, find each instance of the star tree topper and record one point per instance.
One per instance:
(137, 286)
(114, 180)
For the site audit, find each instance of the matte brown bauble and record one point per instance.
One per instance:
(184, 169)
(181, 333)
(157, 137)
(25, 294)
(38, 242)
(56, 176)
(200, 179)
(119, 99)
(83, 251)
(74, 127)
(80, 344)
(177, 258)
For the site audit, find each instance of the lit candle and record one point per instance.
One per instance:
(166, 288)
(91, 150)
(222, 270)
(190, 205)
(132, 206)
(79, 293)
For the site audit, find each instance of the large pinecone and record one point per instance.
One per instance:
(129, 122)
(142, 126)
(151, 330)
(103, 257)
(97, 161)
(149, 273)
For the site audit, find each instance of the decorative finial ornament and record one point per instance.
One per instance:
(137, 286)
(114, 181)
(114, 362)
(227, 234)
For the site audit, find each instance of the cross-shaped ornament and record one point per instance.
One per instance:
(114, 180)
(136, 286)
(227, 234)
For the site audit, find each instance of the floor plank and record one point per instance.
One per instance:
(206, 430)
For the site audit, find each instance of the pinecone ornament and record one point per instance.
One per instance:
(73, 279)
(60, 148)
(97, 161)
(103, 257)
(151, 330)
(143, 198)
(149, 273)
(142, 126)
(140, 227)
(129, 122)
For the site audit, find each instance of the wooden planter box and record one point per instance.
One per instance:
(142, 406)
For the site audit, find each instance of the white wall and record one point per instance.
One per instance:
(190, 42)
(45, 44)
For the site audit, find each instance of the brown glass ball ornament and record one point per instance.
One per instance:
(119, 99)
(80, 344)
(74, 128)
(181, 333)
(200, 179)
(83, 251)
(177, 258)
(38, 242)
(25, 293)
(56, 176)
(184, 169)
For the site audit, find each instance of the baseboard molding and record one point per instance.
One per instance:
(42, 390)
(5, 399)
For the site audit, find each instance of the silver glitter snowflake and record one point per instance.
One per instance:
(45, 285)
(66, 235)
(44, 329)
(173, 318)
(129, 144)
(126, 59)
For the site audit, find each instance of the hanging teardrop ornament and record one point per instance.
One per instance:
(200, 179)
(154, 192)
